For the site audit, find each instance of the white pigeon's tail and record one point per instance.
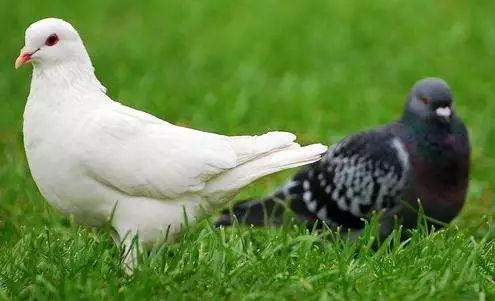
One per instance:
(244, 174)
(248, 148)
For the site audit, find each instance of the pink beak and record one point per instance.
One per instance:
(23, 58)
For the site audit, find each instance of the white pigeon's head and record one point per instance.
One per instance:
(50, 42)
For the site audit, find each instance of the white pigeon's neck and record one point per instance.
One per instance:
(75, 77)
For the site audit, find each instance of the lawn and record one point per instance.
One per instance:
(321, 69)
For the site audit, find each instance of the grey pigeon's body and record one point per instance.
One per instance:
(424, 155)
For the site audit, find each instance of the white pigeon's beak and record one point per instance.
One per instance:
(24, 57)
(444, 112)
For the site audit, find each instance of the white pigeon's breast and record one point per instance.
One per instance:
(51, 142)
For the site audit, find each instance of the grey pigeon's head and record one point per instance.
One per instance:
(430, 100)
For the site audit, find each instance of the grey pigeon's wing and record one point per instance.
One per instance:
(362, 173)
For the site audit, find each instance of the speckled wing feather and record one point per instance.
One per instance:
(362, 173)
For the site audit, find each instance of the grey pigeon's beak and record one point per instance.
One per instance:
(444, 112)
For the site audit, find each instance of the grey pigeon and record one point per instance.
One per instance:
(424, 155)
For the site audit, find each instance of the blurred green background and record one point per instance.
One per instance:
(320, 69)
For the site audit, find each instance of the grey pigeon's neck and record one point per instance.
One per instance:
(74, 76)
(432, 142)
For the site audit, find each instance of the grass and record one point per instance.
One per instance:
(321, 69)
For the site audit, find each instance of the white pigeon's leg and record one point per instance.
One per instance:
(130, 255)
(130, 243)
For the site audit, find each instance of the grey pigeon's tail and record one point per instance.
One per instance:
(253, 212)
(267, 211)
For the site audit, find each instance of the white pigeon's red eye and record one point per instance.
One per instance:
(51, 40)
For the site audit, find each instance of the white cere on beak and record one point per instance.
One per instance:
(443, 112)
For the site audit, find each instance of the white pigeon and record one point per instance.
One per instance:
(96, 159)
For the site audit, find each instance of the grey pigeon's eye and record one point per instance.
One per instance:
(51, 40)
(425, 100)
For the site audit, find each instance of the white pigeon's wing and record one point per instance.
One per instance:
(141, 155)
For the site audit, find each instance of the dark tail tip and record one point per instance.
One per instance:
(252, 212)
(225, 219)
